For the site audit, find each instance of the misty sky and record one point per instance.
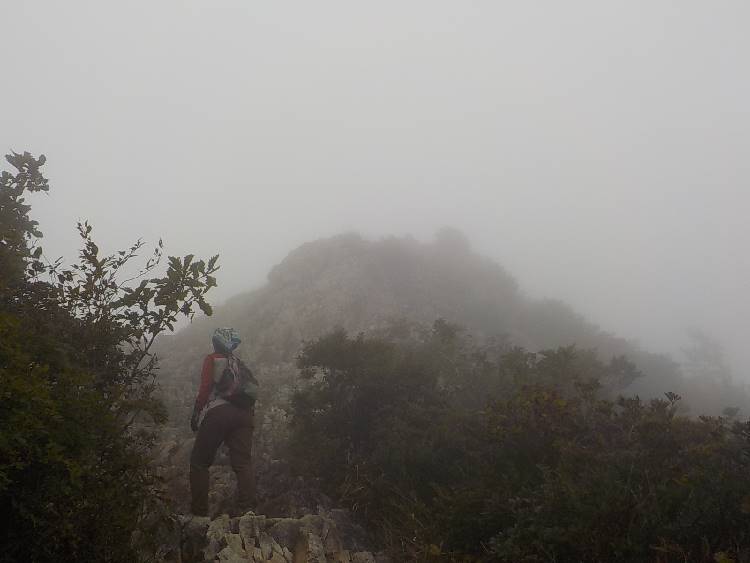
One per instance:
(598, 150)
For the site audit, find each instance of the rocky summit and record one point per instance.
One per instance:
(373, 285)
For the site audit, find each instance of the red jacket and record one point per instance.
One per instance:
(207, 381)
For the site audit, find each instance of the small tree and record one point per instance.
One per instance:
(76, 374)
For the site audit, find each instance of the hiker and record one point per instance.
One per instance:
(223, 413)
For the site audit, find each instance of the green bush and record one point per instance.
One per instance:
(455, 451)
(76, 379)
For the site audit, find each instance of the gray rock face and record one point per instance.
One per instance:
(313, 538)
(251, 527)
(286, 531)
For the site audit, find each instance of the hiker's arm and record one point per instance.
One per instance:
(207, 381)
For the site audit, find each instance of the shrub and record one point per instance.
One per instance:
(76, 377)
(459, 452)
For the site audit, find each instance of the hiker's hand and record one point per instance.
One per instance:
(194, 422)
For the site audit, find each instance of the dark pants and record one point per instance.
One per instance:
(233, 426)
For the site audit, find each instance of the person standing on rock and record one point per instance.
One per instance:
(223, 413)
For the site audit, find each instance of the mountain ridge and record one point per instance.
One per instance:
(366, 285)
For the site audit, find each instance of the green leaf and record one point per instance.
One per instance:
(206, 308)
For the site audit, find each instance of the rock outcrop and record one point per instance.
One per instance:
(329, 537)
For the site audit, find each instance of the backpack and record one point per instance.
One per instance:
(234, 382)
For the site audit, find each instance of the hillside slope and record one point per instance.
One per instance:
(363, 285)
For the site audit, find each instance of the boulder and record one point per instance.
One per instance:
(230, 556)
(234, 542)
(309, 549)
(215, 537)
(286, 531)
(267, 544)
(250, 528)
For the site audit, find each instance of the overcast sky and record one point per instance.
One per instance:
(599, 150)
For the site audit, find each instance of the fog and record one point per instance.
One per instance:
(597, 150)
